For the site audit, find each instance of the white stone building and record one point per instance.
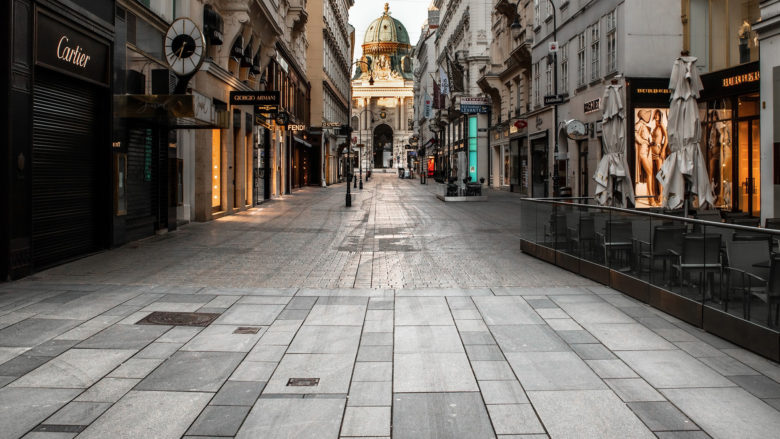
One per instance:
(382, 111)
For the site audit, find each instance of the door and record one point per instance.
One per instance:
(749, 166)
(539, 167)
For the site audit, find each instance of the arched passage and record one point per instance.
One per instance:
(383, 146)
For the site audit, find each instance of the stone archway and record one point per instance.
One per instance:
(383, 146)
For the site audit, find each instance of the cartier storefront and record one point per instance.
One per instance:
(57, 160)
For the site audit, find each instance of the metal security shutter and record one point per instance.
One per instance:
(64, 170)
(140, 182)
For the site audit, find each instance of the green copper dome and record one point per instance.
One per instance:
(386, 29)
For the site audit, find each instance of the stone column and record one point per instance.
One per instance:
(400, 103)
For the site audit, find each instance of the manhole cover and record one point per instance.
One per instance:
(303, 382)
(178, 318)
(246, 330)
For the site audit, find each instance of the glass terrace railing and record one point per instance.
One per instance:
(726, 267)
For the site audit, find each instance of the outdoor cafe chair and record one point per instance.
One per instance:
(700, 254)
(583, 236)
(745, 271)
(771, 293)
(617, 237)
(665, 238)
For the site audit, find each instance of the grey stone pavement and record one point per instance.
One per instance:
(419, 319)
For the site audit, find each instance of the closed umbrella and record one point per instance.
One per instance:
(685, 165)
(613, 182)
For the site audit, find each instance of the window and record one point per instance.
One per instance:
(564, 85)
(537, 17)
(611, 20)
(550, 10)
(549, 77)
(537, 100)
(580, 59)
(595, 54)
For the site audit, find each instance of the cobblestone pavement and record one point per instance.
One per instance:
(418, 319)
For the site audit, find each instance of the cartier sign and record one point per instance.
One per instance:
(63, 48)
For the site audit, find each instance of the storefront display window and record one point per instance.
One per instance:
(651, 147)
(216, 170)
(717, 145)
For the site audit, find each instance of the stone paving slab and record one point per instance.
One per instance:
(420, 319)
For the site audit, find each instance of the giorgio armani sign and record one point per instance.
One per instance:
(63, 48)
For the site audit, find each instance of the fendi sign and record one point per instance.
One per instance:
(63, 48)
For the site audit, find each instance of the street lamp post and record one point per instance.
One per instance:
(360, 159)
(346, 130)
(516, 29)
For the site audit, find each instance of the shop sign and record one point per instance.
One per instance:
(293, 127)
(741, 79)
(254, 98)
(554, 99)
(592, 106)
(63, 48)
(474, 105)
(331, 124)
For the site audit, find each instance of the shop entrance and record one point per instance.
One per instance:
(64, 169)
(539, 165)
(383, 146)
(749, 164)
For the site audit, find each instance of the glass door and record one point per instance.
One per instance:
(749, 167)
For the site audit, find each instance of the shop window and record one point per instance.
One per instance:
(216, 170)
(717, 144)
(651, 146)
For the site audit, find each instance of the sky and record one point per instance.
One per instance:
(412, 13)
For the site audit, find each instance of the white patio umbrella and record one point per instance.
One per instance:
(612, 175)
(685, 163)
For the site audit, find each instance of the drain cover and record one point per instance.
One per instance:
(303, 382)
(178, 318)
(246, 330)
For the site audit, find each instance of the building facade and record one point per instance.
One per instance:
(56, 201)
(462, 52)
(769, 47)
(629, 41)
(328, 62)
(383, 96)
(507, 80)
(110, 145)
(426, 128)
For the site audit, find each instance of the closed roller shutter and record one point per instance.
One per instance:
(64, 170)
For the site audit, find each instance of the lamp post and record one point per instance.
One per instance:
(360, 142)
(516, 28)
(370, 82)
(346, 130)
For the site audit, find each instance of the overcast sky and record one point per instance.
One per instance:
(412, 13)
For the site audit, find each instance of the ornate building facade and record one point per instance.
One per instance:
(382, 94)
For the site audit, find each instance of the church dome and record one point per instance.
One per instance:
(385, 35)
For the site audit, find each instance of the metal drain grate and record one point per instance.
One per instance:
(246, 330)
(178, 318)
(303, 382)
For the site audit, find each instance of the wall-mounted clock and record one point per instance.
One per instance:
(185, 47)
